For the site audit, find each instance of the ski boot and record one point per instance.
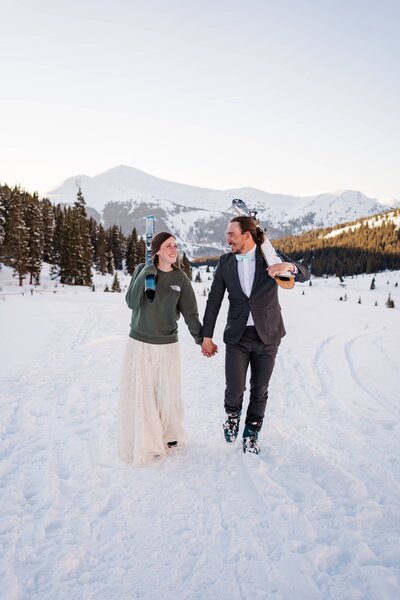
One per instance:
(231, 427)
(250, 441)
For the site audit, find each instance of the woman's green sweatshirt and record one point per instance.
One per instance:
(156, 322)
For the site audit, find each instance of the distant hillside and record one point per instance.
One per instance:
(363, 246)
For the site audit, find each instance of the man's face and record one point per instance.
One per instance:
(235, 238)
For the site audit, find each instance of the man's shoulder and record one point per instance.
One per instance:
(224, 258)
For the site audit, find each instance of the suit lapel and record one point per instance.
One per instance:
(233, 268)
(259, 271)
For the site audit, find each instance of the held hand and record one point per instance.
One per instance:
(150, 269)
(280, 269)
(215, 349)
(208, 348)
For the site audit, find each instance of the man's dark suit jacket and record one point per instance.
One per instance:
(263, 300)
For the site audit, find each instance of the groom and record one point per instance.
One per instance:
(254, 327)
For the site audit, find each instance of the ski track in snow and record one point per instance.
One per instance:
(315, 516)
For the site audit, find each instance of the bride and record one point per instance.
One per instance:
(150, 406)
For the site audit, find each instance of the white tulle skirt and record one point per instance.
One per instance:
(150, 409)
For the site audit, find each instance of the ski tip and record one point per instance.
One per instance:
(242, 210)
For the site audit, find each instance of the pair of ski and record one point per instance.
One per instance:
(271, 257)
(150, 280)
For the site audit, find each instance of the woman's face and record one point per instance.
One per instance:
(168, 251)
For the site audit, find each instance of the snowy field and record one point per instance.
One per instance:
(316, 516)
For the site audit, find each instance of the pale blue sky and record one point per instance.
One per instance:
(292, 96)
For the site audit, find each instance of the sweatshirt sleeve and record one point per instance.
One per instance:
(135, 293)
(187, 306)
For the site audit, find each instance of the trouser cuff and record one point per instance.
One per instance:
(254, 423)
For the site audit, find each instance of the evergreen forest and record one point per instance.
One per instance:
(34, 231)
(368, 246)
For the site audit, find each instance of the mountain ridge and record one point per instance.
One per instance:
(123, 196)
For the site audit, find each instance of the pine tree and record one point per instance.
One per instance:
(75, 247)
(81, 247)
(116, 287)
(101, 251)
(93, 231)
(6, 195)
(131, 252)
(18, 235)
(55, 254)
(110, 262)
(3, 211)
(67, 247)
(48, 226)
(34, 222)
(389, 302)
(141, 251)
(198, 277)
(116, 243)
(372, 286)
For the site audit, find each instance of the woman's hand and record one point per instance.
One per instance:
(150, 269)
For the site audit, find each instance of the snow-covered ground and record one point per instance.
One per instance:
(315, 516)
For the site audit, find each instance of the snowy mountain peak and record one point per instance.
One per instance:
(198, 215)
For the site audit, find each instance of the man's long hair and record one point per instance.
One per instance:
(249, 224)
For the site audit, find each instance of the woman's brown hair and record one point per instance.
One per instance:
(156, 244)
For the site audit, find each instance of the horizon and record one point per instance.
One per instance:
(337, 192)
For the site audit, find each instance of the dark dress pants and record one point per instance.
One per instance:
(261, 357)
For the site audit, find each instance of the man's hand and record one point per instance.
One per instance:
(280, 269)
(208, 348)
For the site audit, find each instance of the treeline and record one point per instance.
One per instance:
(33, 231)
(361, 249)
(365, 249)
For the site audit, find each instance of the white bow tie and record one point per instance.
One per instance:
(248, 256)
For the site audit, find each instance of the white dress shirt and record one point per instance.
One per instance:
(246, 270)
